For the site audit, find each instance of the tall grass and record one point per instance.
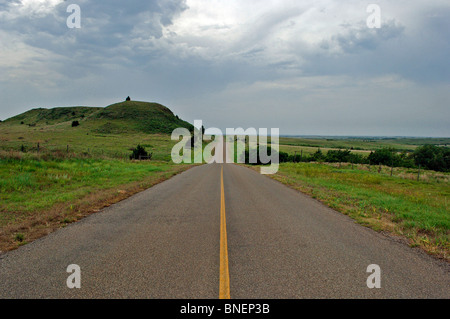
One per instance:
(28, 185)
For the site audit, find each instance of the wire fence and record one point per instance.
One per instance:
(67, 150)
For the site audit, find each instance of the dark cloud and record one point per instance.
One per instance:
(277, 66)
(358, 38)
(105, 24)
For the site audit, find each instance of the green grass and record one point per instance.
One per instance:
(415, 209)
(31, 185)
(360, 143)
(82, 141)
(140, 117)
(53, 115)
(309, 150)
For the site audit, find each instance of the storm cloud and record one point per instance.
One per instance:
(310, 67)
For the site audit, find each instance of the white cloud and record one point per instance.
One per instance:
(252, 54)
(31, 8)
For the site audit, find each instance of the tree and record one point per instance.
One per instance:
(432, 157)
(335, 156)
(317, 156)
(384, 156)
(128, 98)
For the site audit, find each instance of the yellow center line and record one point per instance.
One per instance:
(224, 280)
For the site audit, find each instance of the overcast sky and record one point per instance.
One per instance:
(306, 67)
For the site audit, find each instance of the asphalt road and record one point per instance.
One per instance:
(168, 242)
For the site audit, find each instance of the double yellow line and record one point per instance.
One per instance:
(224, 280)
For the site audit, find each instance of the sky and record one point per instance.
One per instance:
(311, 67)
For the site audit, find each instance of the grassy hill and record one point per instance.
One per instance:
(52, 116)
(110, 131)
(139, 117)
(129, 116)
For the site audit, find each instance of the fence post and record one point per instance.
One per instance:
(38, 147)
(67, 149)
(295, 155)
(418, 173)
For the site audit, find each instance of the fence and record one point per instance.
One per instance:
(400, 172)
(61, 150)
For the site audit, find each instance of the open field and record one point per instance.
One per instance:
(80, 140)
(362, 146)
(307, 146)
(417, 210)
(309, 150)
(363, 143)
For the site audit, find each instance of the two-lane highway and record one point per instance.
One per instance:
(220, 230)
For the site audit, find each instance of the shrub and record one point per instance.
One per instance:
(317, 156)
(75, 123)
(334, 156)
(254, 153)
(19, 237)
(138, 151)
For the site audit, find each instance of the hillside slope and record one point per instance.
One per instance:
(129, 116)
(138, 116)
(53, 115)
(111, 131)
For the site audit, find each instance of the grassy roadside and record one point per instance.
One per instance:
(417, 210)
(37, 196)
